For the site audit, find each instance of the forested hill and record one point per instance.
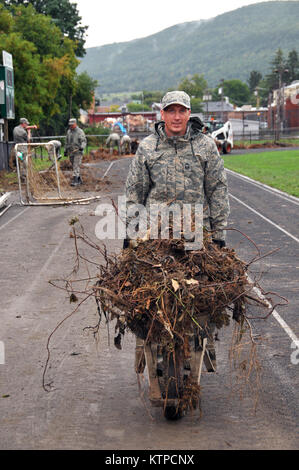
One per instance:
(228, 46)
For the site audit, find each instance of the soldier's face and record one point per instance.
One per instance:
(176, 118)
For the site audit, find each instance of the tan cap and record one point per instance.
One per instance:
(176, 97)
(24, 121)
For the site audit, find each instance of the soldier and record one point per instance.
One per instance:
(125, 144)
(74, 147)
(180, 163)
(53, 146)
(113, 140)
(21, 135)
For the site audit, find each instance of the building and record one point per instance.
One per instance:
(284, 109)
(217, 110)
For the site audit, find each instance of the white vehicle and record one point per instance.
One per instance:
(222, 133)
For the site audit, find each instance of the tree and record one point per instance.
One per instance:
(150, 97)
(237, 91)
(85, 88)
(278, 73)
(47, 87)
(137, 107)
(64, 14)
(254, 79)
(194, 86)
(293, 66)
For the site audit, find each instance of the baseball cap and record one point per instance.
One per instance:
(24, 121)
(176, 97)
(72, 121)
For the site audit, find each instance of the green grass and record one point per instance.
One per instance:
(277, 169)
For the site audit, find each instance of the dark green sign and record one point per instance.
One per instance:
(7, 93)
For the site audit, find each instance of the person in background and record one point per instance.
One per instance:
(53, 147)
(112, 141)
(125, 144)
(22, 135)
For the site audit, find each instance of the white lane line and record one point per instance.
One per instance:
(106, 172)
(277, 192)
(266, 219)
(14, 218)
(278, 318)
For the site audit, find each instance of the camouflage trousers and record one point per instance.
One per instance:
(112, 144)
(126, 148)
(23, 167)
(76, 160)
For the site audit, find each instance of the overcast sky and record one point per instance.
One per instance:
(124, 20)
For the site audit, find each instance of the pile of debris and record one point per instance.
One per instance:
(161, 292)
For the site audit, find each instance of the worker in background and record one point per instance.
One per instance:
(74, 147)
(112, 141)
(53, 147)
(125, 144)
(22, 135)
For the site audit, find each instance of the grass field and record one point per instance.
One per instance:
(277, 169)
(248, 143)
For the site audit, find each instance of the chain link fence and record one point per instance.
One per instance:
(95, 141)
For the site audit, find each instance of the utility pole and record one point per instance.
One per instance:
(206, 98)
(220, 91)
(279, 102)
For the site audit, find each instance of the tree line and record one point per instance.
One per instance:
(256, 91)
(45, 38)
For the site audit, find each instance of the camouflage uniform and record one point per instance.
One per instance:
(184, 169)
(53, 146)
(20, 136)
(75, 145)
(125, 144)
(113, 140)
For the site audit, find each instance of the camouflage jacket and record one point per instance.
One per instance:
(20, 135)
(75, 141)
(187, 169)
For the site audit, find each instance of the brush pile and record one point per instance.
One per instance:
(161, 292)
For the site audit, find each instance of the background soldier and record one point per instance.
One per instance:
(74, 147)
(53, 146)
(21, 135)
(113, 140)
(125, 144)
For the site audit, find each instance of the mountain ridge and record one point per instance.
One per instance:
(227, 46)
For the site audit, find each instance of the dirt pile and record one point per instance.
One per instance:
(103, 154)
